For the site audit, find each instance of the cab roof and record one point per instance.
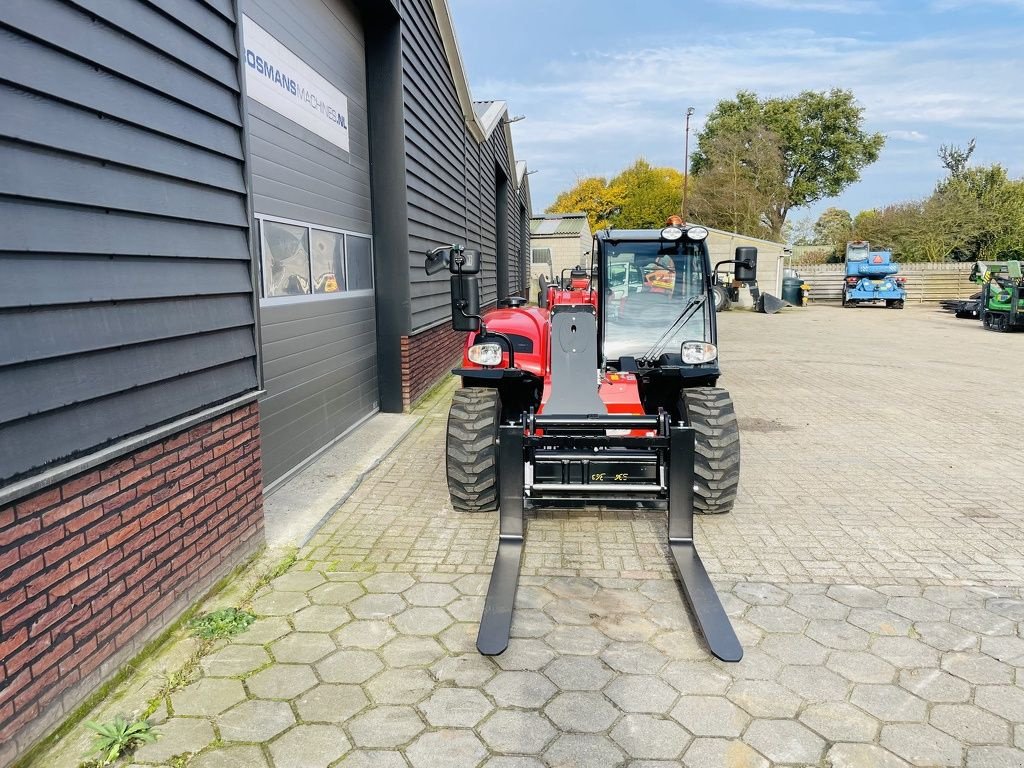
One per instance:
(628, 235)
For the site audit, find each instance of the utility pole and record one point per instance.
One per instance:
(686, 161)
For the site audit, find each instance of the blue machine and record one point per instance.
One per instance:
(870, 277)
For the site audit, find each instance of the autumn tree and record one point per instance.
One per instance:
(592, 196)
(823, 146)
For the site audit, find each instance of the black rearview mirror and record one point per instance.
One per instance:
(437, 259)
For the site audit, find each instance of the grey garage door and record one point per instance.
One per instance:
(306, 82)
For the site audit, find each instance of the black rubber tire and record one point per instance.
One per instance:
(716, 470)
(722, 301)
(471, 449)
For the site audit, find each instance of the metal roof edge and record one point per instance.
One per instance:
(451, 48)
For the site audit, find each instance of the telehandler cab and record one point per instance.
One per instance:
(606, 395)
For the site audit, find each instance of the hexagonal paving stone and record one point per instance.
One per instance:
(446, 748)
(281, 681)
(1008, 649)
(862, 756)
(1004, 700)
(861, 667)
(969, 724)
(818, 607)
(634, 658)
(176, 736)
(468, 609)
(575, 750)
(377, 606)
(456, 707)
(755, 665)
(520, 689)
(661, 590)
(576, 640)
(918, 609)
(364, 634)
(977, 668)
(400, 686)
(469, 669)
(349, 667)
(476, 584)
(839, 635)
(646, 737)
(696, 677)
(376, 758)
(385, 727)
(408, 651)
(856, 596)
(994, 757)
(233, 660)
(531, 622)
(785, 741)
(1008, 607)
(263, 631)
(423, 621)
(706, 753)
(303, 647)
(275, 603)
(436, 595)
(611, 599)
(905, 652)
(921, 744)
(388, 582)
(794, 649)
(935, 685)
(209, 696)
(331, 703)
(528, 654)
(878, 621)
(239, 756)
(839, 721)
(519, 732)
(710, 716)
(889, 703)
(814, 683)
(776, 618)
(309, 746)
(764, 698)
(683, 644)
(578, 673)
(255, 721)
(982, 621)
(297, 581)
(321, 618)
(513, 762)
(755, 593)
(627, 628)
(573, 587)
(955, 597)
(571, 611)
(581, 712)
(642, 694)
(336, 593)
(944, 636)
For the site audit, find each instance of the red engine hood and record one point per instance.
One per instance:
(526, 323)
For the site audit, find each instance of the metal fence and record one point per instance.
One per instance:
(925, 282)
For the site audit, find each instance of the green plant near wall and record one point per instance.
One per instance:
(118, 737)
(222, 623)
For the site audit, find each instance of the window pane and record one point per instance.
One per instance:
(360, 263)
(286, 262)
(328, 262)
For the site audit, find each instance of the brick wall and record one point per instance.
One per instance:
(429, 355)
(94, 567)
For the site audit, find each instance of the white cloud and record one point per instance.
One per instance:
(901, 135)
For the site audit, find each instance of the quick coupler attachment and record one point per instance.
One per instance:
(573, 461)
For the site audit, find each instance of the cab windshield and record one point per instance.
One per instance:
(647, 286)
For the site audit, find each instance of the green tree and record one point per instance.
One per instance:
(742, 181)
(834, 228)
(821, 137)
(649, 195)
(592, 196)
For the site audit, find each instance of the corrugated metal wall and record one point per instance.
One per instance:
(319, 352)
(925, 282)
(451, 177)
(124, 255)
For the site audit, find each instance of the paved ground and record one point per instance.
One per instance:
(873, 568)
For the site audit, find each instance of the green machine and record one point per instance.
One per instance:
(1001, 305)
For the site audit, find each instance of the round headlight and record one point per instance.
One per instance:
(671, 233)
(696, 352)
(696, 233)
(485, 354)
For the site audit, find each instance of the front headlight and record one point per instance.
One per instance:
(697, 233)
(485, 354)
(695, 352)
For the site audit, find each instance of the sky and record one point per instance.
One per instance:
(603, 82)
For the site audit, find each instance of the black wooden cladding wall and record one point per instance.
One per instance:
(319, 353)
(451, 177)
(125, 285)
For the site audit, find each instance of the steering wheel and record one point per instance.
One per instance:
(512, 302)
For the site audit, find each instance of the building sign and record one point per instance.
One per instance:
(277, 78)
